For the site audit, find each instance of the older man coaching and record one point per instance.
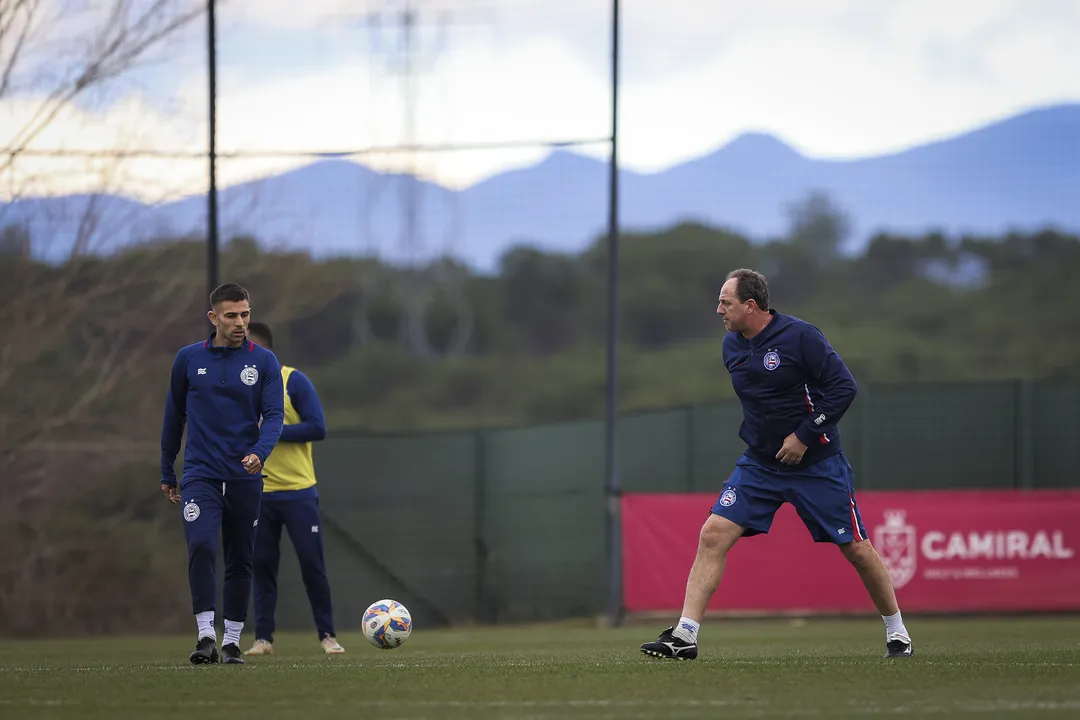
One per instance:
(794, 389)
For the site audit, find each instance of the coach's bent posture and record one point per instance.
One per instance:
(794, 388)
(228, 392)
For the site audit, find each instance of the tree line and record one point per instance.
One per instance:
(438, 346)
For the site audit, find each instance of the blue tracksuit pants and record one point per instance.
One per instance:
(230, 509)
(298, 513)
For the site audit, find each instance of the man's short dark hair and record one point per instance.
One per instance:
(229, 292)
(751, 285)
(262, 330)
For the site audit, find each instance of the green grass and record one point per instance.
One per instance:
(832, 669)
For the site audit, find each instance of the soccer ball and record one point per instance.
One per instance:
(387, 624)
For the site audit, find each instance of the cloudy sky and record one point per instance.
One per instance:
(833, 78)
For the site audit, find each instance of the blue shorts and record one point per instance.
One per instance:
(822, 494)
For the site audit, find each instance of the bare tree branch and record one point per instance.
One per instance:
(124, 38)
(19, 14)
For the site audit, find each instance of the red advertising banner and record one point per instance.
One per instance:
(946, 551)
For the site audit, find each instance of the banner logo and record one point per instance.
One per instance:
(895, 541)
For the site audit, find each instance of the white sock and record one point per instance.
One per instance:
(894, 624)
(687, 630)
(232, 633)
(206, 624)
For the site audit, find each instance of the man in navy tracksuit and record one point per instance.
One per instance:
(794, 389)
(228, 392)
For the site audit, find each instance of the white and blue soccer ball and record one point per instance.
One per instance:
(387, 624)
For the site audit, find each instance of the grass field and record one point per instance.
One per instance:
(981, 668)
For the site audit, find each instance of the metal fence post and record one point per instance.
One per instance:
(482, 611)
(863, 481)
(691, 410)
(1025, 434)
(612, 484)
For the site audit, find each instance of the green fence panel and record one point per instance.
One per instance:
(653, 451)
(714, 444)
(406, 504)
(939, 436)
(853, 433)
(1055, 429)
(544, 521)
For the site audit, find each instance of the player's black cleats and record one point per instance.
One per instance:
(899, 647)
(670, 647)
(230, 653)
(205, 652)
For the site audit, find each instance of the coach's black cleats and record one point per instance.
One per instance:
(230, 653)
(670, 647)
(205, 652)
(899, 646)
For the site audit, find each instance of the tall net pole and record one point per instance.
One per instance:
(612, 484)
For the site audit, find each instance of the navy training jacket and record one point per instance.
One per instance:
(232, 402)
(789, 380)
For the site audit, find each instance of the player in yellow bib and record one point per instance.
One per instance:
(290, 500)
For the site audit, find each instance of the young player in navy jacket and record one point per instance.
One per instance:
(227, 391)
(794, 389)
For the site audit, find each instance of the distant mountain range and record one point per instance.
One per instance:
(1019, 174)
